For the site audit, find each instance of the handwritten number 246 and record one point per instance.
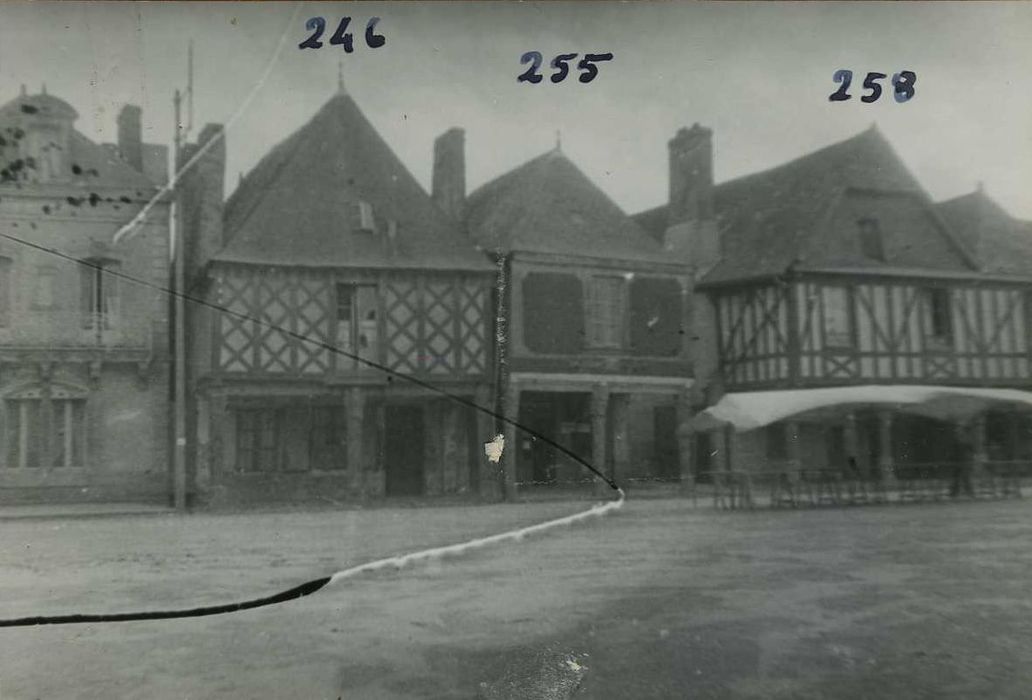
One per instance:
(902, 83)
(341, 37)
(560, 63)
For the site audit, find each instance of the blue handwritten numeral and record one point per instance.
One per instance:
(341, 37)
(560, 63)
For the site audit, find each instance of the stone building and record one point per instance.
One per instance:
(330, 243)
(84, 395)
(855, 325)
(593, 350)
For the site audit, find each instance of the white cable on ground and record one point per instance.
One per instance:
(516, 535)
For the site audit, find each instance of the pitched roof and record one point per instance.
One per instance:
(798, 214)
(89, 164)
(1001, 242)
(547, 205)
(299, 205)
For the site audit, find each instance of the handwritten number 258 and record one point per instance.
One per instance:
(341, 37)
(902, 83)
(560, 63)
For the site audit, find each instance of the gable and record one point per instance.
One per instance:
(301, 204)
(549, 206)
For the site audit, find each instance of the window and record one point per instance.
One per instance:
(327, 440)
(606, 312)
(24, 432)
(41, 145)
(99, 300)
(5, 292)
(838, 317)
(68, 432)
(258, 440)
(365, 216)
(43, 293)
(357, 326)
(553, 312)
(656, 306)
(31, 444)
(871, 244)
(940, 318)
(777, 441)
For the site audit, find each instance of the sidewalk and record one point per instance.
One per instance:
(80, 510)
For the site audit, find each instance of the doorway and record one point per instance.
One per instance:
(404, 450)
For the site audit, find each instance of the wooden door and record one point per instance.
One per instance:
(404, 451)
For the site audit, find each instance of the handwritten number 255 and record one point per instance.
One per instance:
(560, 63)
(341, 37)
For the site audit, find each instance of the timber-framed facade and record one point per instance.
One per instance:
(315, 321)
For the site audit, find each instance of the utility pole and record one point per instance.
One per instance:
(179, 339)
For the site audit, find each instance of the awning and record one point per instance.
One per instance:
(755, 409)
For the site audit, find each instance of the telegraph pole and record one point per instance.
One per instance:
(179, 339)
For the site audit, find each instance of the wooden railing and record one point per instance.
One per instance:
(737, 489)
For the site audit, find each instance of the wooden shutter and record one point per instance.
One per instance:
(553, 313)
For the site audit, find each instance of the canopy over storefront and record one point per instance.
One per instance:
(756, 409)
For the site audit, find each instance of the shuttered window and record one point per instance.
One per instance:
(606, 312)
(656, 317)
(357, 325)
(553, 313)
(258, 440)
(838, 318)
(328, 438)
(99, 296)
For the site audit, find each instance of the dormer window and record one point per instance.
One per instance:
(871, 244)
(365, 217)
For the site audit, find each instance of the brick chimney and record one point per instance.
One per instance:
(202, 200)
(691, 227)
(691, 175)
(449, 176)
(130, 136)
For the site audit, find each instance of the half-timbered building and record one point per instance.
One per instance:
(835, 273)
(327, 279)
(83, 321)
(591, 343)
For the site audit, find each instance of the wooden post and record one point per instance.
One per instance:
(979, 458)
(487, 477)
(621, 437)
(685, 442)
(512, 412)
(885, 461)
(599, 436)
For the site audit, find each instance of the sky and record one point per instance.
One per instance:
(758, 74)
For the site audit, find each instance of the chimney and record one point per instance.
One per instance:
(449, 176)
(202, 200)
(691, 175)
(691, 226)
(130, 136)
